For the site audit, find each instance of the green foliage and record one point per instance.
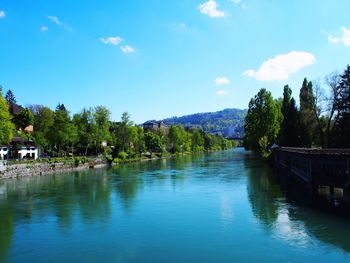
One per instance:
(63, 133)
(341, 134)
(197, 141)
(264, 144)
(176, 138)
(59, 135)
(101, 118)
(228, 122)
(11, 100)
(122, 156)
(23, 119)
(289, 127)
(153, 142)
(122, 134)
(6, 126)
(307, 126)
(263, 119)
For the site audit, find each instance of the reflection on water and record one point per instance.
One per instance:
(289, 220)
(205, 207)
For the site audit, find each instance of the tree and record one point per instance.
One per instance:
(262, 119)
(197, 141)
(23, 119)
(101, 118)
(86, 129)
(332, 81)
(11, 100)
(289, 127)
(176, 138)
(43, 123)
(307, 116)
(137, 140)
(63, 132)
(153, 142)
(6, 126)
(122, 134)
(342, 105)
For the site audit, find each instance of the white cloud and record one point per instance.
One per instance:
(57, 21)
(282, 66)
(127, 49)
(222, 81)
(237, 2)
(111, 40)
(2, 14)
(44, 28)
(210, 8)
(221, 92)
(344, 39)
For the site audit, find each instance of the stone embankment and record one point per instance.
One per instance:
(38, 169)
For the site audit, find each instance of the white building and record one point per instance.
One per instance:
(28, 152)
(4, 150)
(22, 152)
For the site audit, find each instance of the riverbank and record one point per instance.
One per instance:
(61, 165)
(39, 168)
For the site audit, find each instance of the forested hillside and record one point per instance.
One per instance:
(228, 122)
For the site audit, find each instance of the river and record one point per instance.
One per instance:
(217, 207)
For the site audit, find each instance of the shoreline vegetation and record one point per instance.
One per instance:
(90, 139)
(322, 119)
(71, 139)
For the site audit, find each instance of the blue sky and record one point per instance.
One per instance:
(158, 59)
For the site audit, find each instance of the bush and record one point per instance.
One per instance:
(76, 162)
(123, 156)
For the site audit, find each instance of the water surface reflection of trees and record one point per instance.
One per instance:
(271, 207)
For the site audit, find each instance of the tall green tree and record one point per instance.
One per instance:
(307, 117)
(6, 126)
(176, 138)
(86, 128)
(64, 133)
(197, 141)
(43, 123)
(341, 136)
(11, 100)
(122, 134)
(102, 122)
(288, 135)
(262, 119)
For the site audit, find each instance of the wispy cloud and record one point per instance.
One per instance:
(344, 39)
(115, 41)
(210, 8)
(222, 92)
(57, 21)
(44, 28)
(178, 26)
(222, 81)
(2, 14)
(127, 49)
(239, 3)
(282, 66)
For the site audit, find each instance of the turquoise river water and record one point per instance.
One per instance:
(217, 207)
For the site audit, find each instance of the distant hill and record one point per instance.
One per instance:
(228, 122)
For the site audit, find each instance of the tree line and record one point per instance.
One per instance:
(91, 132)
(321, 120)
